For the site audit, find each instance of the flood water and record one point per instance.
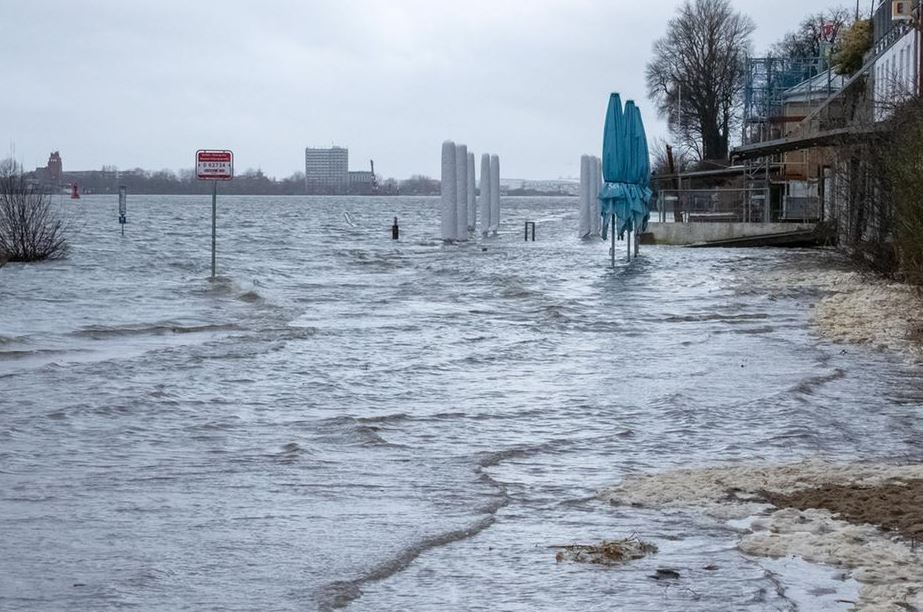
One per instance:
(345, 420)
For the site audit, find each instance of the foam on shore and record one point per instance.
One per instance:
(884, 315)
(854, 308)
(888, 568)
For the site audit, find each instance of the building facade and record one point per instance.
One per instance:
(895, 75)
(326, 170)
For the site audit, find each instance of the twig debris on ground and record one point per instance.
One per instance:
(607, 553)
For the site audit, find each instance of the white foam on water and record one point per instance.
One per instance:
(812, 587)
(898, 314)
(888, 570)
(844, 315)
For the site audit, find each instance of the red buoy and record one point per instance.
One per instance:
(75, 191)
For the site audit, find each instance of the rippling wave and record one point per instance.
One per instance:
(342, 419)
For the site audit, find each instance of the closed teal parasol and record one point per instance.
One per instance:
(626, 195)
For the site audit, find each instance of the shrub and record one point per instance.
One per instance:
(30, 229)
(905, 166)
(856, 43)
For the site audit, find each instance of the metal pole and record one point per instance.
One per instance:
(612, 251)
(214, 225)
(628, 242)
(919, 42)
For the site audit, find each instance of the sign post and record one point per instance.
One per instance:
(123, 206)
(214, 165)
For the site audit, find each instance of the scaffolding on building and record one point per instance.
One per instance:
(771, 85)
(767, 81)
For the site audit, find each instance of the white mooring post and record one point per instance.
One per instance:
(494, 194)
(484, 198)
(461, 191)
(472, 193)
(447, 191)
(595, 188)
(585, 223)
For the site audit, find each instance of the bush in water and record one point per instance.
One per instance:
(30, 229)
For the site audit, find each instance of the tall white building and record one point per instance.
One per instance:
(326, 170)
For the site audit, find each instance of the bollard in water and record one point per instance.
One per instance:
(395, 230)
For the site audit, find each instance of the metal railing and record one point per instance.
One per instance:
(801, 208)
(712, 205)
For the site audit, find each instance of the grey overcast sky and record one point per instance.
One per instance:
(145, 83)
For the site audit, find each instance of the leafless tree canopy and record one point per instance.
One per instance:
(660, 164)
(807, 41)
(30, 230)
(696, 76)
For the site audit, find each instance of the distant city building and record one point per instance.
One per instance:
(361, 178)
(52, 173)
(326, 170)
(55, 167)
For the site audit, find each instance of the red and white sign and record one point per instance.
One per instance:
(214, 165)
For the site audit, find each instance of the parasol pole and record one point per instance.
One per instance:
(612, 250)
(628, 242)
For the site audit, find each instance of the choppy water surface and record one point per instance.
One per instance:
(346, 420)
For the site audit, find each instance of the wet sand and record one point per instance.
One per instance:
(894, 507)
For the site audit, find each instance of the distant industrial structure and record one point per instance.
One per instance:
(326, 171)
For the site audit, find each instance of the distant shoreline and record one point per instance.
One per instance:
(312, 195)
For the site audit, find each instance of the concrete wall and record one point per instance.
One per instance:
(680, 234)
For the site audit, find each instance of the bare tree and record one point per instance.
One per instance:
(824, 28)
(660, 162)
(696, 77)
(30, 229)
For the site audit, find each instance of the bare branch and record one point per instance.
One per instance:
(696, 76)
(30, 229)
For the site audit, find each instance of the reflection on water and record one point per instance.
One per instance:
(343, 419)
